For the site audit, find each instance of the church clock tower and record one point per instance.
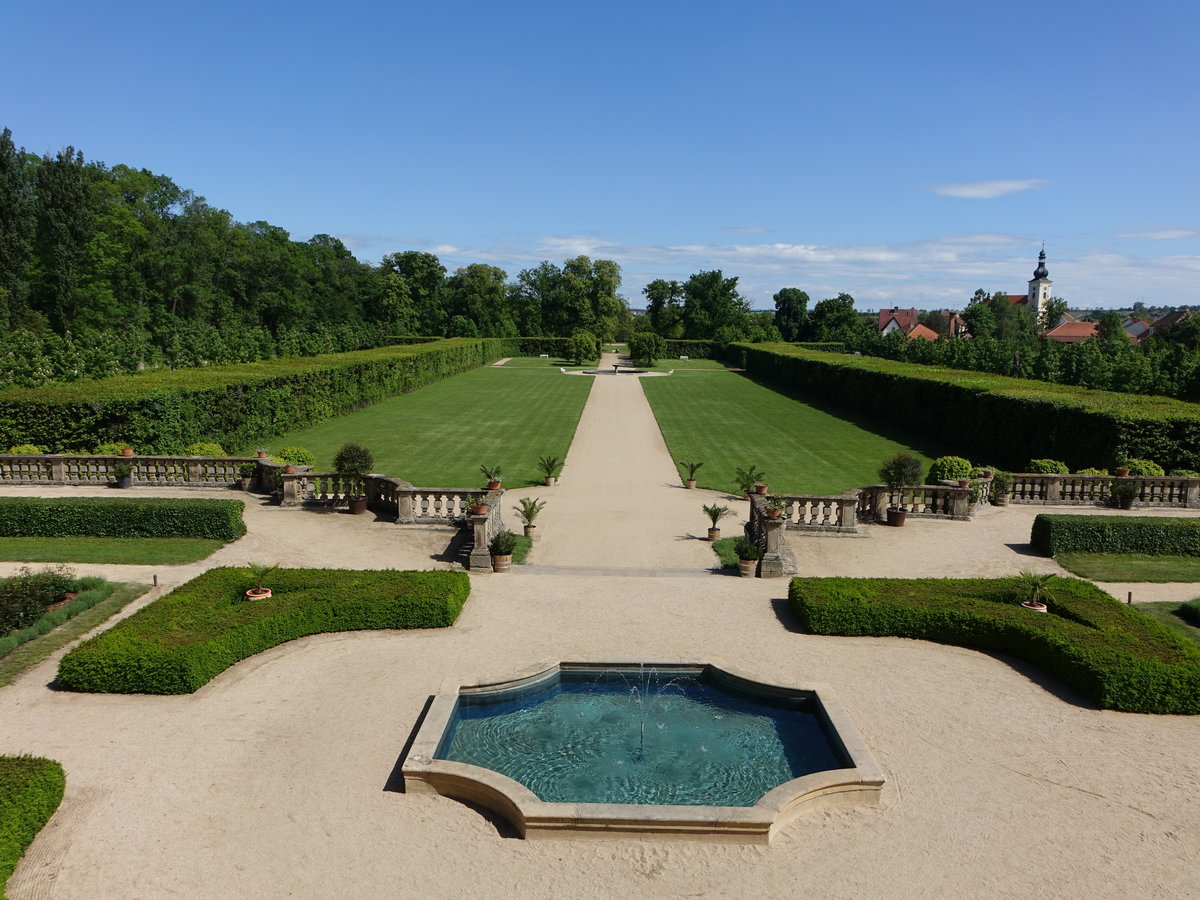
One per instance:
(1039, 287)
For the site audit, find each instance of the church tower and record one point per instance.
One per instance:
(1039, 287)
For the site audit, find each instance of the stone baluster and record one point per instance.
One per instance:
(847, 512)
(771, 564)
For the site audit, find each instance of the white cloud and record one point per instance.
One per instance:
(751, 229)
(1165, 234)
(986, 190)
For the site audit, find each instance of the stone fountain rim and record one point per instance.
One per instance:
(535, 818)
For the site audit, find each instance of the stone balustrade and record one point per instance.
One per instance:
(1096, 490)
(156, 471)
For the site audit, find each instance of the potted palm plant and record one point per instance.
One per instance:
(259, 572)
(1034, 584)
(501, 547)
(715, 514)
(748, 554)
(747, 479)
(493, 476)
(353, 463)
(549, 466)
(690, 481)
(898, 472)
(527, 512)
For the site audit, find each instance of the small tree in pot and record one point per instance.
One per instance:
(690, 481)
(501, 547)
(1124, 493)
(1034, 584)
(123, 473)
(549, 466)
(352, 462)
(527, 512)
(898, 472)
(259, 572)
(748, 554)
(493, 476)
(715, 514)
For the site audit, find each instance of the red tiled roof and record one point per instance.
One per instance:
(922, 331)
(905, 318)
(1072, 332)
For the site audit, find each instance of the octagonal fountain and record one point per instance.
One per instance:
(639, 750)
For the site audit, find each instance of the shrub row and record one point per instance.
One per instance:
(26, 596)
(30, 790)
(1117, 656)
(119, 517)
(91, 591)
(183, 640)
(990, 416)
(694, 349)
(1151, 535)
(237, 406)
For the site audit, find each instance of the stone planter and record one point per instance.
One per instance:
(246, 483)
(358, 505)
(896, 517)
(747, 568)
(502, 564)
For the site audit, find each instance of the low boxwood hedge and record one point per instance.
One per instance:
(183, 640)
(121, 517)
(30, 790)
(1117, 656)
(1151, 535)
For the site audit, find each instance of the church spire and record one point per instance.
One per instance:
(1041, 272)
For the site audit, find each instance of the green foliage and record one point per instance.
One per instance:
(744, 548)
(1124, 491)
(25, 450)
(122, 470)
(111, 448)
(549, 465)
(1046, 467)
(694, 349)
(646, 348)
(723, 547)
(133, 517)
(260, 572)
(239, 406)
(528, 511)
(90, 591)
(900, 470)
(1107, 651)
(491, 473)
(1034, 584)
(1002, 483)
(1091, 470)
(1145, 468)
(691, 467)
(188, 637)
(295, 456)
(1190, 612)
(1152, 535)
(204, 448)
(988, 415)
(502, 543)
(583, 349)
(949, 468)
(353, 460)
(24, 597)
(746, 479)
(31, 788)
(716, 512)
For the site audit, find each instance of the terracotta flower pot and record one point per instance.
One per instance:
(257, 594)
(1036, 607)
(761, 488)
(493, 485)
(1121, 473)
(774, 513)
(289, 470)
(127, 451)
(262, 454)
(479, 509)
(747, 568)
(964, 482)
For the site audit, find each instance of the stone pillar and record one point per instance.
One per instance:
(291, 490)
(58, 469)
(1053, 488)
(959, 499)
(195, 471)
(404, 506)
(771, 564)
(481, 557)
(847, 512)
(1192, 492)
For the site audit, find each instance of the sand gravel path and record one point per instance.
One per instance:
(277, 778)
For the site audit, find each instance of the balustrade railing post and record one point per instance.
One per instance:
(290, 490)
(771, 564)
(1053, 485)
(58, 470)
(847, 512)
(959, 500)
(195, 471)
(404, 506)
(481, 558)
(1191, 492)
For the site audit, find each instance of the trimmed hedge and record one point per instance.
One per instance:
(237, 406)
(1117, 656)
(1190, 612)
(186, 638)
(134, 517)
(31, 788)
(991, 416)
(1151, 535)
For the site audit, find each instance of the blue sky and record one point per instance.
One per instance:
(906, 153)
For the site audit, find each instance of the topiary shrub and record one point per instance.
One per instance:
(26, 450)
(295, 456)
(204, 448)
(1145, 468)
(1190, 612)
(111, 448)
(900, 470)
(1047, 467)
(31, 788)
(1183, 473)
(353, 459)
(186, 638)
(949, 468)
(1090, 471)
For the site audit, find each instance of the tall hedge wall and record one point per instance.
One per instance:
(121, 517)
(1119, 657)
(31, 788)
(1151, 535)
(186, 638)
(1005, 421)
(236, 406)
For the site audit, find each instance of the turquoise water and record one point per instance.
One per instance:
(639, 736)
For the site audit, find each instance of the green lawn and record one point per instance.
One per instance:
(131, 551)
(438, 436)
(1165, 613)
(730, 421)
(1131, 567)
(666, 365)
(526, 362)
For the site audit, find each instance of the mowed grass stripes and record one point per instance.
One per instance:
(730, 421)
(439, 435)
